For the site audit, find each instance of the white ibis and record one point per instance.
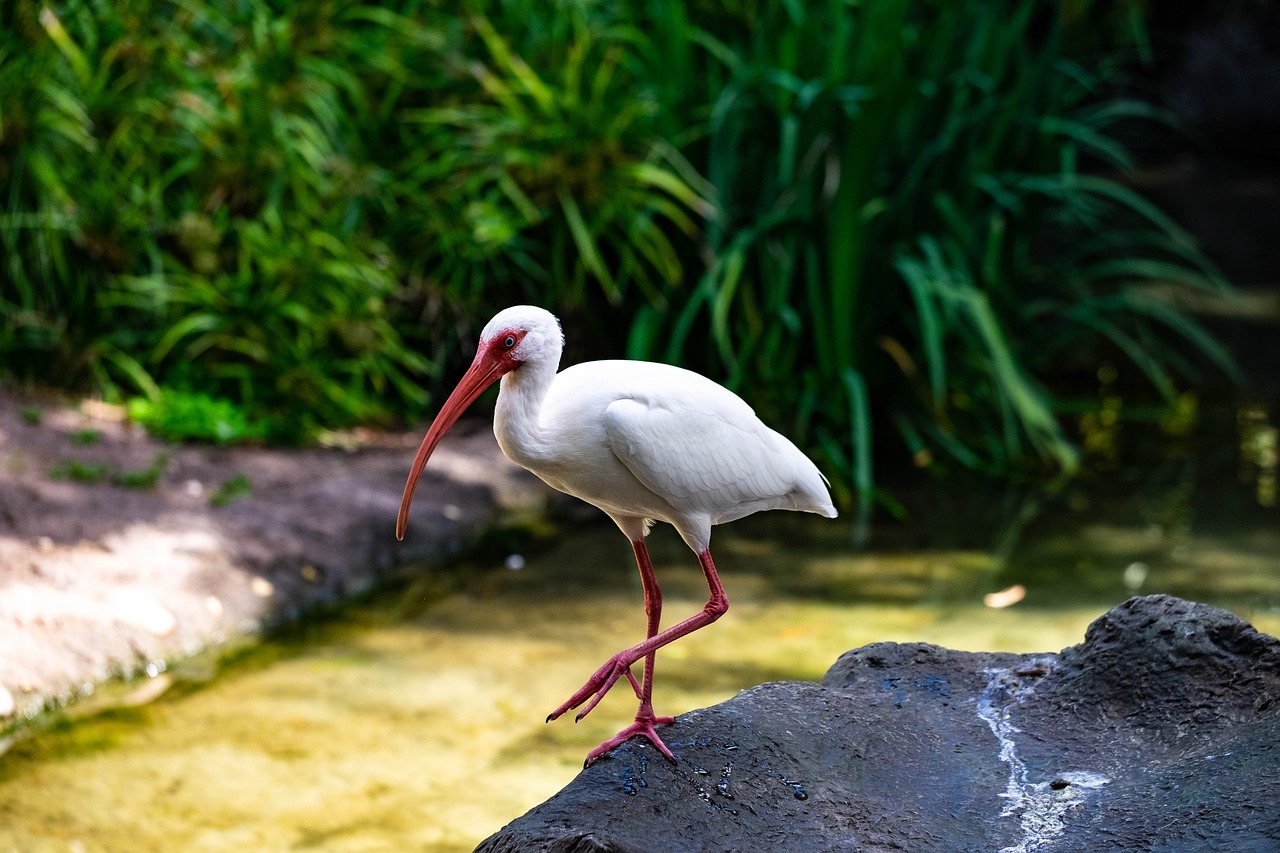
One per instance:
(644, 442)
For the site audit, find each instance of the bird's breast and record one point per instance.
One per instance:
(572, 455)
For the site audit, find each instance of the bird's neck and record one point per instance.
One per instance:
(517, 421)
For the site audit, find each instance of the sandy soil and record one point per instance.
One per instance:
(99, 579)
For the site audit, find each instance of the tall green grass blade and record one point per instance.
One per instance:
(860, 441)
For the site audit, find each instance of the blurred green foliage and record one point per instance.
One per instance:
(192, 416)
(889, 219)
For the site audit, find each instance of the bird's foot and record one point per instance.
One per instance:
(598, 685)
(644, 726)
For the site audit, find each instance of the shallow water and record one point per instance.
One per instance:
(415, 720)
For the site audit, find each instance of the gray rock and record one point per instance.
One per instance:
(1160, 732)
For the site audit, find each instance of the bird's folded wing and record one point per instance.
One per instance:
(699, 458)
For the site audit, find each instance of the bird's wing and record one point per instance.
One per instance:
(708, 454)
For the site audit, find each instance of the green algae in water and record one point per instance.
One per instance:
(64, 738)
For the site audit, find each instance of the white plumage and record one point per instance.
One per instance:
(641, 441)
(654, 441)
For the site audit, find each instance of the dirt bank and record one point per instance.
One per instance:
(103, 573)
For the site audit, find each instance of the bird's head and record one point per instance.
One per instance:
(515, 336)
(520, 334)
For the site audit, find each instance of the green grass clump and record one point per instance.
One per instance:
(86, 436)
(142, 478)
(92, 473)
(234, 488)
(183, 416)
(79, 471)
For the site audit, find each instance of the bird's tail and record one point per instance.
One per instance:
(811, 493)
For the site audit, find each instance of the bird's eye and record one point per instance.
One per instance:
(509, 341)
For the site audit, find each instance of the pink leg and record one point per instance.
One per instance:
(620, 664)
(645, 721)
(653, 618)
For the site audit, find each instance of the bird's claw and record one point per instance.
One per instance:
(598, 685)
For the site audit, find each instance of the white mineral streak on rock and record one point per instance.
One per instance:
(1041, 810)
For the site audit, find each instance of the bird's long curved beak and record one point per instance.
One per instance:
(483, 372)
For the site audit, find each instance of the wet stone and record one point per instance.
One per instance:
(1155, 733)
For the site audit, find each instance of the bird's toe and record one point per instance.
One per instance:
(643, 726)
(596, 687)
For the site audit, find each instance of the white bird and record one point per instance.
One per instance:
(644, 442)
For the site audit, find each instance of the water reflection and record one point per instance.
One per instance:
(414, 721)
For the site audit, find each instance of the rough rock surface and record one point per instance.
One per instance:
(1160, 732)
(98, 578)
